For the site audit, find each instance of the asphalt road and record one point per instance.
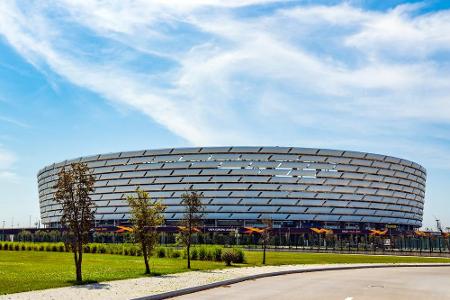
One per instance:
(389, 283)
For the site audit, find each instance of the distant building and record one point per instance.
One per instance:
(296, 187)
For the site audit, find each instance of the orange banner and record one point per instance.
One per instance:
(322, 230)
(184, 228)
(123, 229)
(378, 232)
(250, 230)
(421, 233)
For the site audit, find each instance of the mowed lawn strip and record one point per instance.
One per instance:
(29, 270)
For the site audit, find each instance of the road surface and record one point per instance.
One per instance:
(390, 283)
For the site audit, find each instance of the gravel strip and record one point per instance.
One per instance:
(139, 287)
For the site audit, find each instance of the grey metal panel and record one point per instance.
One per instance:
(176, 165)
(245, 149)
(133, 174)
(223, 216)
(263, 209)
(303, 217)
(329, 152)
(283, 201)
(225, 156)
(312, 202)
(328, 195)
(245, 216)
(351, 218)
(138, 181)
(275, 149)
(227, 201)
(132, 153)
(254, 201)
(116, 162)
(279, 179)
(168, 179)
(274, 216)
(264, 164)
(244, 171)
(273, 172)
(284, 157)
(278, 194)
(305, 151)
(327, 218)
(266, 186)
(319, 210)
(215, 172)
(185, 150)
(234, 164)
(256, 158)
(336, 203)
(150, 166)
(292, 209)
(371, 219)
(115, 182)
(338, 160)
(244, 193)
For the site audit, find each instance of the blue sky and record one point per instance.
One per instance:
(86, 77)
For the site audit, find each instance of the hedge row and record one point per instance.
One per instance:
(207, 253)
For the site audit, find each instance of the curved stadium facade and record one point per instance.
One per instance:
(295, 187)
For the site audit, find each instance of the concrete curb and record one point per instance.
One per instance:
(195, 289)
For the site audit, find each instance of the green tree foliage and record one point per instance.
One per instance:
(25, 236)
(192, 218)
(146, 215)
(74, 185)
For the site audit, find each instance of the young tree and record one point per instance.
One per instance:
(146, 215)
(72, 192)
(265, 236)
(193, 213)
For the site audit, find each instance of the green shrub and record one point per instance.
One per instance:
(239, 256)
(132, 251)
(161, 252)
(61, 248)
(23, 247)
(202, 253)
(54, 248)
(102, 249)
(87, 249)
(125, 251)
(228, 257)
(194, 254)
(217, 253)
(94, 249)
(175, 254)
(48, 248)
(16, 247)
(41, 248)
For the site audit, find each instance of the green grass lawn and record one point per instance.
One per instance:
(29, 270)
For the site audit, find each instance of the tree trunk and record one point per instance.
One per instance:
(145, 254)
(80, 261)
(188, 255)
(264, 254)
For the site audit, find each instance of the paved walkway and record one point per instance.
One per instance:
(363, 284)
(139, 287)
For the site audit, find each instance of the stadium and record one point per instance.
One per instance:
(240, 186)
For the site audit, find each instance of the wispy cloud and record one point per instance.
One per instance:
(7, 160)
(14, 122)
(308, 75)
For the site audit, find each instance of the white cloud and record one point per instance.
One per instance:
(298, 75)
